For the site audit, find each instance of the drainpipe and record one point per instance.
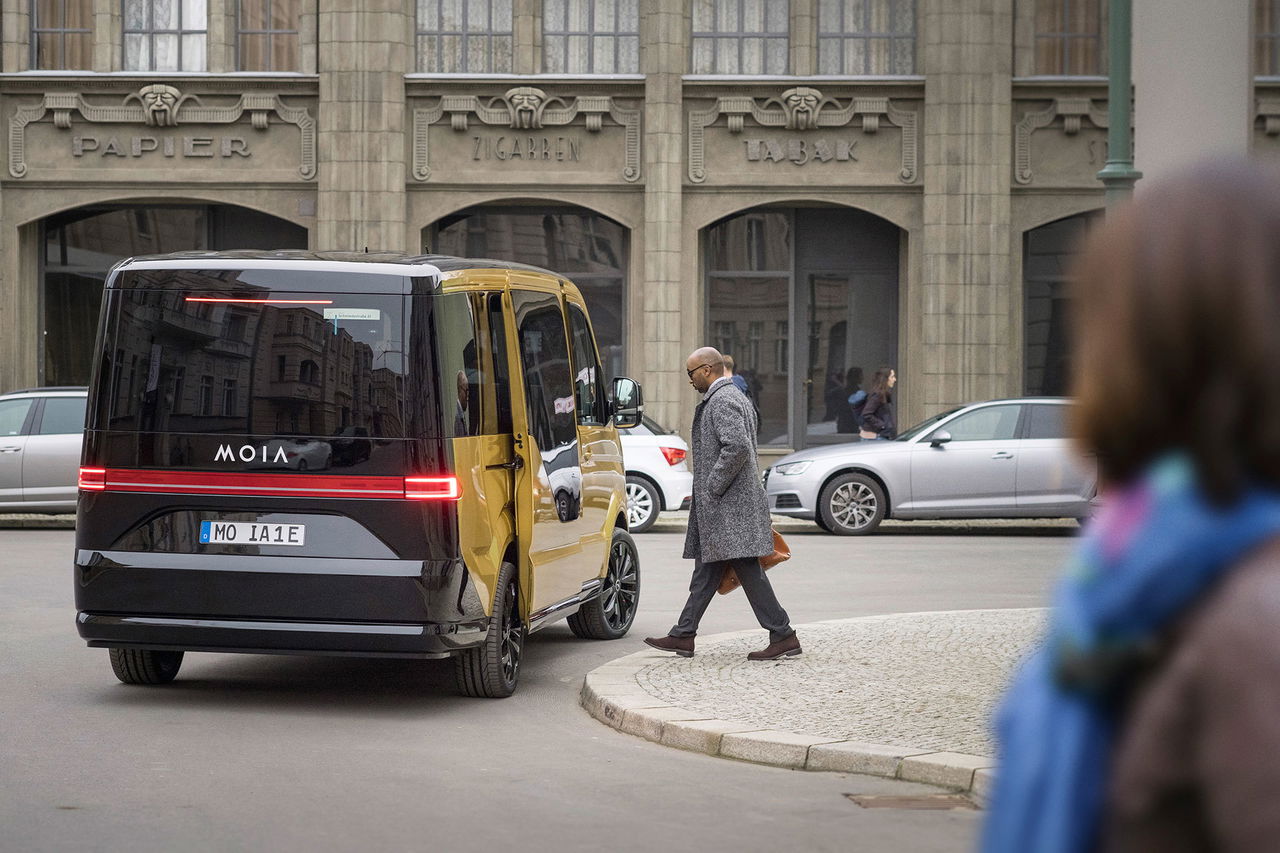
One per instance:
(1118, 175)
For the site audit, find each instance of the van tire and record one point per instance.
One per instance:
(610, 614)
(145, 666)
(491, 670)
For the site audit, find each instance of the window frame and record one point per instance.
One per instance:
(269, 32)
(599, 415)
(1068, 37)
(720, 35)
(946, 426)
(437, 32)
(844, 33)
(151, 33)
(591, 34)
(36, 426)
(34, 31)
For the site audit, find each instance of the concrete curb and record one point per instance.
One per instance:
(612, 694)
(678, 520)
(58, 521)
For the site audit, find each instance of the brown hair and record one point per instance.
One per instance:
(880, 383)
(1176, 338)
(728, 362)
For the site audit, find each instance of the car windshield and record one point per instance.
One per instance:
(926, 425)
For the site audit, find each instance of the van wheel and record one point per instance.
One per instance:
(852, 505)
(643, 504)
(609, 615)
(492, 669)
(145, 666)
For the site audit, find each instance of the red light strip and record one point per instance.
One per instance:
(261, 301)
(271, 485)
(92, 479)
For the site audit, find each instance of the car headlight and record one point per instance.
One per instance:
(791, 468)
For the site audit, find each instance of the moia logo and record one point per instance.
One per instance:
(248, 453)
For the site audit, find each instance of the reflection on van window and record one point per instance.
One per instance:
(587, 381)
(177, 365)
(445, 372)
(544, 353)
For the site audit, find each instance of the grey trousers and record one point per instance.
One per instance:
(706, 580)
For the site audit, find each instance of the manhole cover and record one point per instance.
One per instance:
(922, 801)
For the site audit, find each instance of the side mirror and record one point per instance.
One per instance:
(628, 402)
(939, 438)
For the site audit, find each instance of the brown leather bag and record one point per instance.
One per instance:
(781, 553)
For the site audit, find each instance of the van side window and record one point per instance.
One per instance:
(587, 381)
(497, 323)
(451, 322)
(544, 356)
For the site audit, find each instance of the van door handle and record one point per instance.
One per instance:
(1002, 454)
(514, 465)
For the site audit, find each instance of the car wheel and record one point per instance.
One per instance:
(492, 669)
(852, 505)
(145, 666)
(821, 522)
(643, 504)
(609, 615)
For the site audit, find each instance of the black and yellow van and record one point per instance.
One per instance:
(349, 454)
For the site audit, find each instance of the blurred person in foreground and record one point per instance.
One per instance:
(1150, 718)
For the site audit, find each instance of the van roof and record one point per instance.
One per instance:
(392, 263)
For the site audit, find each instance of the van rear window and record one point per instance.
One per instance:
(271, 362)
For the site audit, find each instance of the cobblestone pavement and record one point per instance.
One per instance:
(924, 680)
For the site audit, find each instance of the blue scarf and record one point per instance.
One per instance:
(1153, 552)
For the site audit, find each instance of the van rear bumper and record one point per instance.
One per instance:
(271, 604)
(266, 637)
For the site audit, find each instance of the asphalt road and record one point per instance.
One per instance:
(291, 753)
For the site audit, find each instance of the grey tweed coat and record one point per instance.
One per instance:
(730, 516)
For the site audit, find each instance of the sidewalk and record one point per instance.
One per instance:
(58, 521)
(674, 520)
(907, 696)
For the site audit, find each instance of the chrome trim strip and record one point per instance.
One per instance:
(589, 590)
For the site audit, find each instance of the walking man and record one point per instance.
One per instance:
(729, 520)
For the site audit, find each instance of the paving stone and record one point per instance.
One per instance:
(854, 757)
(783, 749)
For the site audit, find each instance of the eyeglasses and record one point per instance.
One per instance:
(696, 369)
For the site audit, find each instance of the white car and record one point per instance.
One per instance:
(658, 475)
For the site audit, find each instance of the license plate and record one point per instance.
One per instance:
(251, 533)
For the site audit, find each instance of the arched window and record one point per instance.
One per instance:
(1047, 255)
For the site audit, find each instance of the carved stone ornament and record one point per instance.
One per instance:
(1073, 112)
(161, 105)
(526, 108)
(803, 108)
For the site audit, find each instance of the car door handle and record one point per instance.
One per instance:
(514, 465)
(9, 449)
(1002, 454)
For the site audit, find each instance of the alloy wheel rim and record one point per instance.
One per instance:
(639, 505)
(853, 505)
(621, 587)
(512, 638)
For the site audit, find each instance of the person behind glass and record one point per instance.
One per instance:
(878, 420)
(729, 520)
(739, 381)
(849, 412)
(1150, 717)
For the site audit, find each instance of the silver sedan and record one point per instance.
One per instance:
(998, 459)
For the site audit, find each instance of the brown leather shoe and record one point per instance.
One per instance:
(682, 646)
(785, 648)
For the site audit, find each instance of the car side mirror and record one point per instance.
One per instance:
(628, 402)
(939, 438)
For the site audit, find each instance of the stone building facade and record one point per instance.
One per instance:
(813, 185)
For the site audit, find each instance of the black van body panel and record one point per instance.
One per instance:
(378, 575)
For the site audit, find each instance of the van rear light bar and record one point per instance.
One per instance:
(432, 488)
(272, 485)
(92, 479)
(260, 301)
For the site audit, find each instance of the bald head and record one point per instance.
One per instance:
(706, 355)
(704, 366)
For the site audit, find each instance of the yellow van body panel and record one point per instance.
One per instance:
(499, 507)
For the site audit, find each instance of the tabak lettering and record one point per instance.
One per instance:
(562, 149)
(162, 146)
(800, 151)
